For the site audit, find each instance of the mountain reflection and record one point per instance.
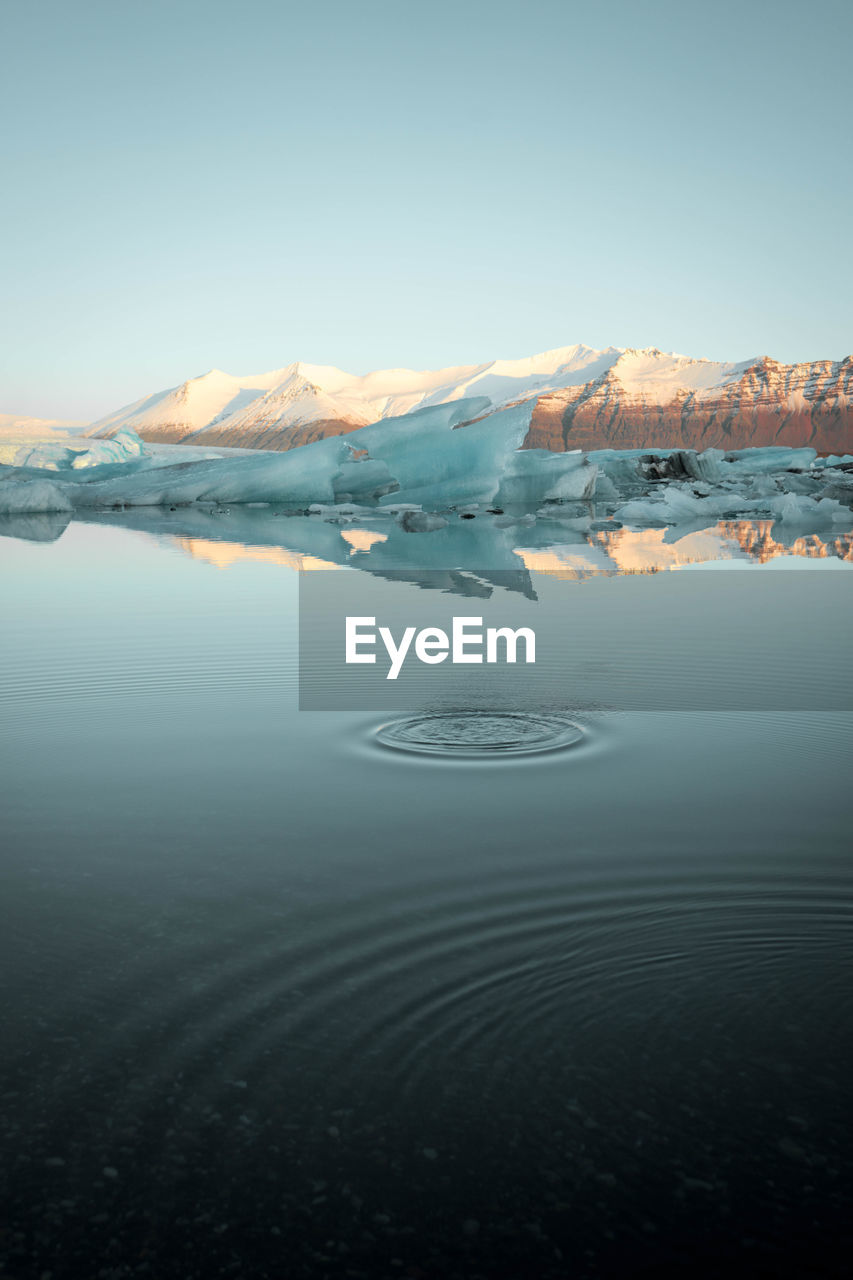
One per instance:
(756, 538)
(569, 555)
(569, 543)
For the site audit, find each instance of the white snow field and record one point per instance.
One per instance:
(427, 461)
(302, 393)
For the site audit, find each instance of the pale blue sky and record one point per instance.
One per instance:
(193, 184)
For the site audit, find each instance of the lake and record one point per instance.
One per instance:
(281, 999)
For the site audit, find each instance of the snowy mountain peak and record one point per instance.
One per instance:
(585, 397)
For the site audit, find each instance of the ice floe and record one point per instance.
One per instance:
(439, 466)
(22, 496)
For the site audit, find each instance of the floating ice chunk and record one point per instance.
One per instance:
(808, 483)
(605, 490)
(47, 456)
(771, 458)
(628, 473)
(573, 485)
(296, 478)
(424, 452)
(672, 505)
(337, 509)
(438, 461)
(840, 487)
(791, 508)
(60, 456)
(682, 464)
(420, 522)
(620, 473)
(678, 504)
(533, 476)
(363, 478)
(706, 465)
(20, 496)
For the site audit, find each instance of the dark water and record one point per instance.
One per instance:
(283, 1000)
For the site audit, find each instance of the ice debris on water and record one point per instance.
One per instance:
(429, 459)
(441, 459)
(17, 497)
(420, 522)
(52, 455)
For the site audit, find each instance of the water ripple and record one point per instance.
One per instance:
(450, 977)
(479, 734)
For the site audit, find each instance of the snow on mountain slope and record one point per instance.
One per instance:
(584, 398)
(303, 402)
(178, 411)
(659, 375)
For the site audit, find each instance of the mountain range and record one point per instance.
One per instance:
(620, 398)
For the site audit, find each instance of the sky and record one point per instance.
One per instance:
(192, 184)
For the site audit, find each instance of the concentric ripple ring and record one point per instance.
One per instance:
(479, 734)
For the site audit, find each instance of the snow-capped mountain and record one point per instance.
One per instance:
(584, 398)
(25, 427)
(18, 433)
(304, 402)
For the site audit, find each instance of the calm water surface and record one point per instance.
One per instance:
(282, 1000)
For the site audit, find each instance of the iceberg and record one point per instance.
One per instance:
(440, 464)
(447, 455)
(434, 458)
(52, 455)
(770, 458)
(22, 497)
(677, 505)
(420, 522)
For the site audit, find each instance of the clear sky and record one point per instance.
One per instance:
(190, 184)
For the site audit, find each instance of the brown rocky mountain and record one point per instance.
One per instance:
(768, 404)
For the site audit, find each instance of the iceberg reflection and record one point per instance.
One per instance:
(558, 546)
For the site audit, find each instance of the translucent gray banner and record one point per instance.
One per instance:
(719, 639)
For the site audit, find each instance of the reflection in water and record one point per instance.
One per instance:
(35, 526)
(551, 547)
(224, 554)
(618, 551)
(566, 543)
(362, 539)
(756, 538)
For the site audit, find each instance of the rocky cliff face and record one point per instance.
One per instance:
(767, 404)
